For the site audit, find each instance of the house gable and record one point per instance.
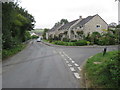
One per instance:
(96, 24)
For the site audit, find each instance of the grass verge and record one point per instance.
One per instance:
(103, 71)
(76, 43)
(9, 52)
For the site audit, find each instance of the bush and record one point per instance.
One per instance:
(73, 40)
(105, 74)
(34, 37)
(66, 39)
(106, 41)
(9, 52)
(81, 43)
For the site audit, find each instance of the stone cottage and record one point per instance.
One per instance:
(74, 29)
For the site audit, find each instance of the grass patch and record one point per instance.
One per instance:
(103, 71)
(9, 52)
(76, 43)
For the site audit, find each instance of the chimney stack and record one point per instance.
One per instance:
(80, 17)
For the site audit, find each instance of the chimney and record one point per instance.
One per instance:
(80, 18)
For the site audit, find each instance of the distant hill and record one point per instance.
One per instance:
(38, 31)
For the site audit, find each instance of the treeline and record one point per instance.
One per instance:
(16, 22)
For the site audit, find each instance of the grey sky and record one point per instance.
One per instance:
(48, 12)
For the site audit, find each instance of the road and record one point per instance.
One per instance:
(42, 66)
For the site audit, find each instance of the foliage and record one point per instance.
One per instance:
(66, 39)
(34, 37)
(16, 22)
(44, 33)
(81, 43)
(95, 37)
(62, 21)
(9, 52)
(118, 26)
(106, 73)
(66, 43)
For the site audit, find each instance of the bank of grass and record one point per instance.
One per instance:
(103, 71)
(9, 52)
(75, 43)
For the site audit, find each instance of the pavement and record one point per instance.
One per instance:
(47, 66)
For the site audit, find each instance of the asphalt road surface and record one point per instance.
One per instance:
(42, 66)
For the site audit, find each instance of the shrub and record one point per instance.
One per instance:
(66, 39)
(73, 40)
(34, 37)
(81, 43)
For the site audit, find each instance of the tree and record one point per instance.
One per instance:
(117, 0)
(95, 37)
(62, 21)
(44, 33)
(16, 21)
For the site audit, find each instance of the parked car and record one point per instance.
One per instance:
(39, 40)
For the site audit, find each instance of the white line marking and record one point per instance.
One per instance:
(79, 68)
(65, 59)
(69, 65)
(76, 64)
(72, 69)
(70, 58)
(73, 61)
(77, 75)
(67, 62)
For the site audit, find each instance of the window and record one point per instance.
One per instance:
(97, 26)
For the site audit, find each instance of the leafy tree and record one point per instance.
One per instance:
(62, 21)
(44, 33)
(16, 21)
(94, 37)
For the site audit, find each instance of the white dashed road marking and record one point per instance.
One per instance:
(76, 64)
(77, 75)
(67, 62)
(69, 65)
(65, 59)
(79, 68)
(70, 58)
(72, 69)
(73, 61)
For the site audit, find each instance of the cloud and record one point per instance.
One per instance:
(48, 12)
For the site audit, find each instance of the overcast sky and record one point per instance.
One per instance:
(48, 12)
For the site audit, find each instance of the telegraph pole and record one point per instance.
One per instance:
(118, 11)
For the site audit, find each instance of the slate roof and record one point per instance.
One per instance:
(67, 25)
(54, 27)
(83, 21)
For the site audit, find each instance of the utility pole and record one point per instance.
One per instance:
(118, 11)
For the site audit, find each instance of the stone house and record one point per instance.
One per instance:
(75, 29)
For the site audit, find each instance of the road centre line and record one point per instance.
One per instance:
(69, 65)
(77, 75)
(65, 59)
(70, 58)
(72, 69)
(73, 61)
(67, 62)
(79, 68)
(76, 64)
